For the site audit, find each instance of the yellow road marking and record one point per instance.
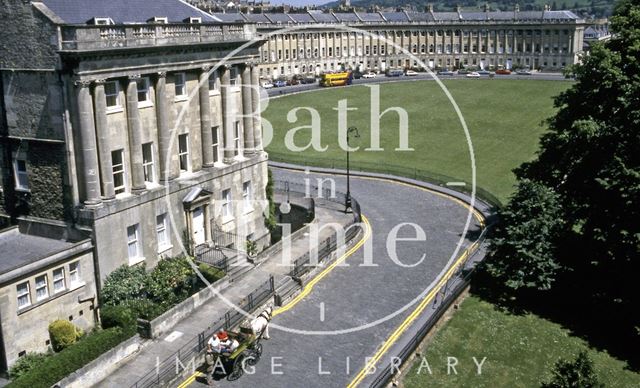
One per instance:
(403, 326)
(309, 287)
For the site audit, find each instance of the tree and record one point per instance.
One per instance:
(522, 247)
(574, 374)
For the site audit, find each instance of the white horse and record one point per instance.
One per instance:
(261, 323)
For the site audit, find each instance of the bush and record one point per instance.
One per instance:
(212, 274)
(26, 363)
(171, 281)
(123, 284)
(145, 308)
(52, 369)
(574, 374)
(63, 333)
(117, 316)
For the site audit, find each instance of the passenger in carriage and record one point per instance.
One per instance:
(221, 343)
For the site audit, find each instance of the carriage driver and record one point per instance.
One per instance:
(221, 343)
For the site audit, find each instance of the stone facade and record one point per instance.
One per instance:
(137, 134)
(316, 42)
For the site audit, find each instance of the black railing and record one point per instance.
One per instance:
(186, 357)
(390, 169)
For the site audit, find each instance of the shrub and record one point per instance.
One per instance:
(63, 333)
(212, 274)
(574, 374)
(52, 369)
(26, 363)
(171, 281)
(145, 308)
(123, 284)
(117, 316)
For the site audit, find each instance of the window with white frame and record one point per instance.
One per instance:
(213, 85)
(117, 164)
(143, 91)
(236, 137)
(215, 144)
(20, 173)
(183, 152)
(112, 94)
(162, 230)
(133, 242)
(74, 273)
(147, 163)
(24, 297)
(42, 288)
(180, 82)
(226, 203)
(58, 280)
(247, 196)
(233, 76)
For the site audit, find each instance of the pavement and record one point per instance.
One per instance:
(350, 315)
(155, 351)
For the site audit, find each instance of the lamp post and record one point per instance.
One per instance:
(347, 201)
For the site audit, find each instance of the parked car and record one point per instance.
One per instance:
(411, 73)
(464, 71)
(394, 73)
(293, 81)
(280, 83)
(473, 74)
(485, 72)
(445, 72)
(308, 80)
(369, 75)
(266, 84)
(524, 72)
(503, 71)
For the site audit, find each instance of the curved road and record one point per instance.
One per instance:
(355, 295)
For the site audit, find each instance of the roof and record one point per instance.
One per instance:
(19, 249)
(124, 11)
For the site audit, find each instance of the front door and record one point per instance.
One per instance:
(198, 226)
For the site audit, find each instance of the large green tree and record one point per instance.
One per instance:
(589, 159)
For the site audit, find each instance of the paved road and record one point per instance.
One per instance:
(356, 295)
(421, 76)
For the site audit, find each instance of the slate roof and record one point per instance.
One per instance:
(396, 17)
(301, 17)
(19, 249)
(124, 11)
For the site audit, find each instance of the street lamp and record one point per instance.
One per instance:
(347, 201)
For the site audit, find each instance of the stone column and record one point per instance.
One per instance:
(227, 115)
(165, 151)
(247, 109)
(205, 118)
(255, 106)
(135, 135)
(90, 173)
(104, 146)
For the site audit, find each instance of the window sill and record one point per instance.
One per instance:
(248, 210)
(181, 98)
(164, 248)
(214, 92)
(115, 109)
(23, 190)
(227, 219)
(135, 260)
(145, 104)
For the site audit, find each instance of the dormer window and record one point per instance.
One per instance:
(159, 20)
(194, 20)
(101, 21)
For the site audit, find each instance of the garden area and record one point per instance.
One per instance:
(128, 293)
(523, 338)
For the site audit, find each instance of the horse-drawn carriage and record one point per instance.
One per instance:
(248, 352)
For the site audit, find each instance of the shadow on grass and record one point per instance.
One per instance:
(606, 326)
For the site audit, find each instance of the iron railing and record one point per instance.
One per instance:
(171, 367)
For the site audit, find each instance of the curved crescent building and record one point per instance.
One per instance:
(313, 42)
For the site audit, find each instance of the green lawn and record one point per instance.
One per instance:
(520, 351)
(503, 117)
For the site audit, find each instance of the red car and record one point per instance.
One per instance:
(503, 71)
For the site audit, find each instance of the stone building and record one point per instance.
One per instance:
(130, 123)
(321, 41)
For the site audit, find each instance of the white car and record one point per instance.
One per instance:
(369, 75)
(266, 84)
(411, 72)
(473, 74)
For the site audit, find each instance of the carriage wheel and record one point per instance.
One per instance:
(236, 370)
(256, 353)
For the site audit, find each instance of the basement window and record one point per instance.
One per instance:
(20, 173)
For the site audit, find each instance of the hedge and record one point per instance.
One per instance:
(54, 368)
